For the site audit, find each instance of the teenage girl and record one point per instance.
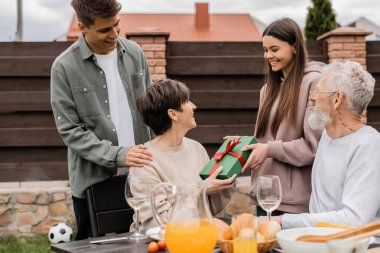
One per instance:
(286, 143)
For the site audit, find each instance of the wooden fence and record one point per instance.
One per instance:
(30, 147)
(224, 78)
(373, 66)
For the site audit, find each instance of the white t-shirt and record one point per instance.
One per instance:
(120, 111)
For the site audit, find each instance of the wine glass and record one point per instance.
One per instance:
(136, 194)
(269, 193)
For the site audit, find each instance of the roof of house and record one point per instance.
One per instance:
(368, 25)
(223, 27)
(259, 24)
(362, 19)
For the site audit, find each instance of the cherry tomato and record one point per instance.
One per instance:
(152, 247)
(161, 245)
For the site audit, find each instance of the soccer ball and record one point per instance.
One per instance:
(60, 233)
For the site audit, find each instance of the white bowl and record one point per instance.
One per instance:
(287, 240)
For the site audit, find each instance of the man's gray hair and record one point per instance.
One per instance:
(353, 81)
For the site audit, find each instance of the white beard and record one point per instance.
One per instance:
(318, 119)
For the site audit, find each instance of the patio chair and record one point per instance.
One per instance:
(108, 210)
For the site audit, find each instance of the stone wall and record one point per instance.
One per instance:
(26, 212)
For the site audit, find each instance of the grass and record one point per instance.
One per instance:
(11, 244)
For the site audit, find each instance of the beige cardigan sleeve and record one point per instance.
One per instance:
(163, 204)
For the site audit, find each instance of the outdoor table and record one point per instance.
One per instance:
(122, 246)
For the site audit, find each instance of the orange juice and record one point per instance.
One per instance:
(246, 241)
(243, 245)
(189, 236)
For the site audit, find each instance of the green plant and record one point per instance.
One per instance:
(320, 19)
(12, 244)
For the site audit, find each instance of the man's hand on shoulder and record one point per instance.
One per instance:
(138, 156)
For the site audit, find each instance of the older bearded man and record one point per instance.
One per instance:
(346, 169)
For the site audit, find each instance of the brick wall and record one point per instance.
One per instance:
(153, 42)
(346, 43)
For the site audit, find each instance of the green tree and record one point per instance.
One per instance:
(320, 19)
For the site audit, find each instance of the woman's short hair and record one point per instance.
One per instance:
(353, 81)
(158, 99)
(88, 10)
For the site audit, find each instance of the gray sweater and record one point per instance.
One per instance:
(345, 181)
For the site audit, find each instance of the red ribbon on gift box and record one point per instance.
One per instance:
(230, 146)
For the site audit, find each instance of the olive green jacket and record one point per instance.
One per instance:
(79, 100)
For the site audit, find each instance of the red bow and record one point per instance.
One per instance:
(230, 146)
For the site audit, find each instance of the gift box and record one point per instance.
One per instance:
(230, 157)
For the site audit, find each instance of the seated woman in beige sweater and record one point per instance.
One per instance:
(166, 108)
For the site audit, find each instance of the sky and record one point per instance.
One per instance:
(45, 20)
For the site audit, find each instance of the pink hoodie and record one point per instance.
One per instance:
(291, 154)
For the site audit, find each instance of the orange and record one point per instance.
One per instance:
(152, 247)
(161, 245)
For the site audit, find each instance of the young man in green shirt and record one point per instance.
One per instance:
(94, 86)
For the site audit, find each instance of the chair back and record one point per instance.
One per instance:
(108, 210)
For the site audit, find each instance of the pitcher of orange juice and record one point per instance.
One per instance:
(189, 227)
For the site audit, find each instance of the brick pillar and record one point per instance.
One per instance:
(346, 43)
(153, 42)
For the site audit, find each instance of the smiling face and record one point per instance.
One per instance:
(186, 115)
(102, 36)
(279, 54)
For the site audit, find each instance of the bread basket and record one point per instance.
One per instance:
(262, 247)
